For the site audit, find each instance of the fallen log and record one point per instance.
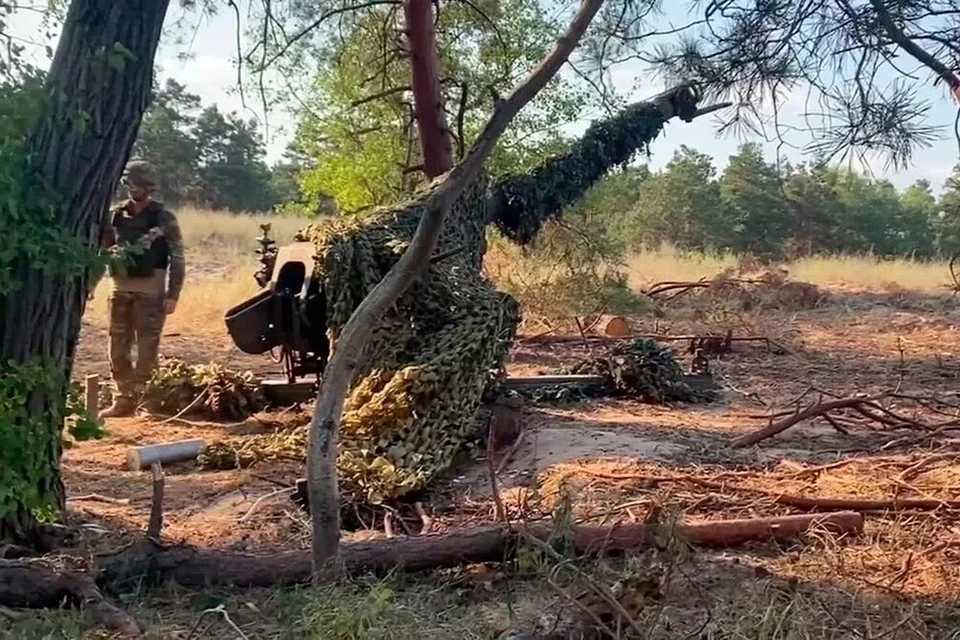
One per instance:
(35, 585)
(814, 503)
(196, 567)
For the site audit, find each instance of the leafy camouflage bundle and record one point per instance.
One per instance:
(209, 390)
(414, 402)
(642, 369)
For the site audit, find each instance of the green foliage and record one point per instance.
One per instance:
(752, 207)
(82, 422)
(29, 438)
(753, 203)
(28, 212)
(574, 269)
(680, 206)
(205, 157)
(948, 222)
(358, 147)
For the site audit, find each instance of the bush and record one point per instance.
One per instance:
(574, 270)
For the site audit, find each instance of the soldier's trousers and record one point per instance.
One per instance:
(135, 318)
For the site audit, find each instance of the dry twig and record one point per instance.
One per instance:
(424, 518)
(219, 609)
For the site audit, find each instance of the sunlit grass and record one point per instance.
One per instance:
(221, 261)
(871, 273)
(668, 263)
(855, 272)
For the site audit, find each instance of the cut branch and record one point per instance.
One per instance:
(812, 411)
(868, 408)
(156, 504)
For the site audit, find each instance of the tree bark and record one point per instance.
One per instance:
(200, 567)
(345, 356)
(436, 148)
(101, 73)
(35, 585)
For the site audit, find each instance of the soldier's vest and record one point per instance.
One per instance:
(130, 228)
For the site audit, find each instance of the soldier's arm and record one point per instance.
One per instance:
(171, 231)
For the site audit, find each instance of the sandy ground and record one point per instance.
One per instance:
(609, 454)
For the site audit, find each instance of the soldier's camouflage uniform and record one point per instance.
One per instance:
(139, 291)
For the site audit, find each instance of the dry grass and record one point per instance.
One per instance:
(863, 273)
(898, 581)
(220, 262)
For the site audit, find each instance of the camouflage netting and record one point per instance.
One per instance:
(202, 390)
(641, 369)
(415, 401)
(416, 397)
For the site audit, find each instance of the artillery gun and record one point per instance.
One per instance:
(288, 317)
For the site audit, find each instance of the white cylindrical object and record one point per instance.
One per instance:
(142, 457)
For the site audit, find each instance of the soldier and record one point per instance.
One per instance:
(142, 295)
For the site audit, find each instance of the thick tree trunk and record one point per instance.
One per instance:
(98, 88)
(436, 147)
(195, 567)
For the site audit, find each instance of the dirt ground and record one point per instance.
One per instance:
(899, 579)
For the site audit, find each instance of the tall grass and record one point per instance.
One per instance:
(221, 261)
(856, 272)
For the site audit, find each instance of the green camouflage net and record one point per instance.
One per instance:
(202, 390)
(415, 400)
(640, 369)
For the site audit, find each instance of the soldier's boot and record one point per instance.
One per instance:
(122, 407)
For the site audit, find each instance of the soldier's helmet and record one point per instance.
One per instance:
(139, 173)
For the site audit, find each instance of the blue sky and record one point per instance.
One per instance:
(210, 72)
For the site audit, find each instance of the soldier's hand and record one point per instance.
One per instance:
(169, 306)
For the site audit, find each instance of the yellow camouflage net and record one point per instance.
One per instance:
(415, 400)
(416, 397)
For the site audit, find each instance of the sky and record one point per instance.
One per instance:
(210, 72)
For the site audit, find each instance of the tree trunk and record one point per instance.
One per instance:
(346, 353)
(435, 144)
(197, 567)
(97, 90)
(36, 585)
